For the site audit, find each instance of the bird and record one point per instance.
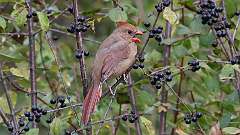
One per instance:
(114, 57)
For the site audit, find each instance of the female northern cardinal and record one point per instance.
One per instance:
(115, 55)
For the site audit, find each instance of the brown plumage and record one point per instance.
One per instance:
(114, 56)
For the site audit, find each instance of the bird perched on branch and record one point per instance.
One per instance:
(116, 54)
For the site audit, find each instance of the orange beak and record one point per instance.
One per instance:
(137, 40)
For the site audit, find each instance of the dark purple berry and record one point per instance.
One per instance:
(63, 105)
(44, 112)
(141, 65)
(29, 16)
(34, 13)
(131, 119)
(81, 18)
(147, 24)
(53, 101)
(158, 86)
(168, 72)
(124, 117)
(135, 66)
(30, 118)
(169, 78)
(141, 58)
(86, 53)
(153, 82)
(26, 128)
(10, 128)
(237, 13)
(27, 114)
(151, 35)
(194, 119)
(49, 120)
(198, 115)
(21, 123)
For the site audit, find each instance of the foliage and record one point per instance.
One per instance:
(211, 90)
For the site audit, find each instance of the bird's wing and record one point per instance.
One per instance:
(113, 55)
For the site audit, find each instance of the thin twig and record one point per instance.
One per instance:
(32, 60)
(9, 101)
(106, 113)
(148, 38)
(4, 117)
(63, 108)
(51, 45)
(133, 104)
(179, 95)
(236, 28)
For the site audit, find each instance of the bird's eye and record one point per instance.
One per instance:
(130, 32)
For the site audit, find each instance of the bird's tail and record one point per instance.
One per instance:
(90, 101)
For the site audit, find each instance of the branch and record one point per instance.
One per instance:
(164, 93)
(32, 59)
(9, 101)
(133, 104)
(79, 46)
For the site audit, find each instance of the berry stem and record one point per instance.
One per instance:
(133, 104)
(32, 59)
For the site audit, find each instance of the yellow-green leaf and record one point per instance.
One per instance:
(231, 130)
(43, 20)
(4, 104)
(2, 23)
(170, 16)
(20, 72)
(21, 17)
(58, 126)
(33, 131)
(148, 124)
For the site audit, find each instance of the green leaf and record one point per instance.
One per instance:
(43, 20)
(21, 17)
(116, 15)
(33, 131)
(170, 16)
(58, 126)
(2, 23)
(224, 121)
(23, 72)
(226, 71)
(148, 125)
(231, 130)
(4, 104)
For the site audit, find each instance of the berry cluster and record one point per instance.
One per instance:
(79, 53)
(140, 64)
(60, 100)
(235, 60)
(160, 77)
(30, 15)
(132, 117)
(210, 14)
(192, 117)
(81, 26)
(35, 114)
(194, 64)
(160, 6)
